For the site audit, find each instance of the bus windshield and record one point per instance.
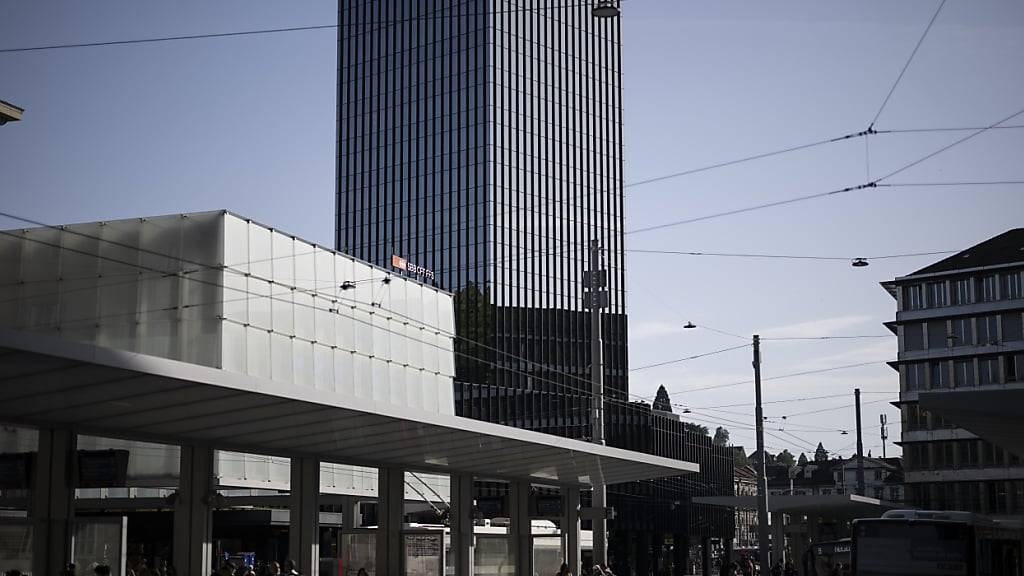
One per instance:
(899, 547)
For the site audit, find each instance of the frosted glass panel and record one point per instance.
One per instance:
(257, 352)
(233, 355)
(259, 303)
(344, 372)
(303, 374)
(16, 551)
(281, 358)
(492, 556)
(323, 367)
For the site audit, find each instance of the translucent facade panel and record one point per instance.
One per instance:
(303, 373)
(281, 358)
(359, 550)
(323, 368)
(257, 358)
(344, 372)
(221, 291)
(149, 464)
(242, 470)
(492, 556)
(100, 541)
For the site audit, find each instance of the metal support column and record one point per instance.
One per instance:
(705, 556)
(53, 501)
(304, 515)
(390, 512)
(762, 481)
(778, 537)
(462, 523)
(596, 281)
(522, 528)
(193, 519)
(680, 554)
(571, 526)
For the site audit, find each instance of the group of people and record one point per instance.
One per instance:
(597, 570)
(262, 569)
(746, 566)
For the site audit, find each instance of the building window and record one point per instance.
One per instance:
(1013, 330)
(988, 371)
(915, 376)
(963, 373)
(939, 378)
(878, 475)
(913, 297)
(913, 337)
(936, 294)
(963, 332)
(988, 330)
(937, 334)
(987, 288)
(1011, 286)
(1013, 368)
(962, 291)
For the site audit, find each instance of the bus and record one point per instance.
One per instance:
(935, 543)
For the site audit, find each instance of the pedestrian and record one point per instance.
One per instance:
(275, 569)
(289, 568)
(563, 570)
(777, 568)
(790, 569)
(606, 570)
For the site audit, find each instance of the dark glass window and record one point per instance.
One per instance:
(915, 376)
(913, 337)
(1013, 328)
(988, 330)
(962, 332)
(936, 294)
(937, 334)
(962, 291)
(913, 297)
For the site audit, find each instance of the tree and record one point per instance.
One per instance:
(739, 457)
(662, 401)
(802, 460)
(785, 458)
(721, 437)
(820, 454)
(695, 428)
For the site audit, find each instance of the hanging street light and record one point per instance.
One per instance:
(606, 9)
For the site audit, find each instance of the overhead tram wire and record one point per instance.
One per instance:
(263, 31)
(785, 256)
(678, 360)
(871, 184)
(906, 65)
(783, 376)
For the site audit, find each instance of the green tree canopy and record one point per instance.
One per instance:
(696, 428)
(802, 460)
(721, 437)
(820, 454)
(785, 457)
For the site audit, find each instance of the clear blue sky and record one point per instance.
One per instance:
(248, 124)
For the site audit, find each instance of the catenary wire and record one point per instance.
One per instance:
(694, 357)
(907, 63)
(792, 375)
(264, 31)
(784, 256)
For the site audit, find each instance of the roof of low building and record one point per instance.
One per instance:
(1005, 248)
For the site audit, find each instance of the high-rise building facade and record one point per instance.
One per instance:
(960, 324)
(480, 141)
(480, 147)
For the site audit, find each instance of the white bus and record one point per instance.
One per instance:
(935, 543)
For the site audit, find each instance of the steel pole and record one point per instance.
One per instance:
(600, 525)
(860, 447)
(762, 485)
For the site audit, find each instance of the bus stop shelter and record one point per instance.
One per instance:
(64, 388)
(818, 509)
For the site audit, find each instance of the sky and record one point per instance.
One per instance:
(248, 124)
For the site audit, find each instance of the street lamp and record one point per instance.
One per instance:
(859, 262)
(9, 112)
(606, 9)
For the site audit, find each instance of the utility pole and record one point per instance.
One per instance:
(885, 431)
(762, 481)
(860, 447)
(596, 280)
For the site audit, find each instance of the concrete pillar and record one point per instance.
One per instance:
(643, 553)
(680, 554)
(727, 550)
(778, 537)
(657, 546)
(304, 515)
(522, 528)
(390, 513)
(193, 518)
(462, 523)
(53, 501)
(705, 556)
(571, 526)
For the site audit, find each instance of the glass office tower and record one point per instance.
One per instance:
(480, 147)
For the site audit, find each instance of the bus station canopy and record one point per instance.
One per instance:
(994, 415)
(839, 504)
(46, 381)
